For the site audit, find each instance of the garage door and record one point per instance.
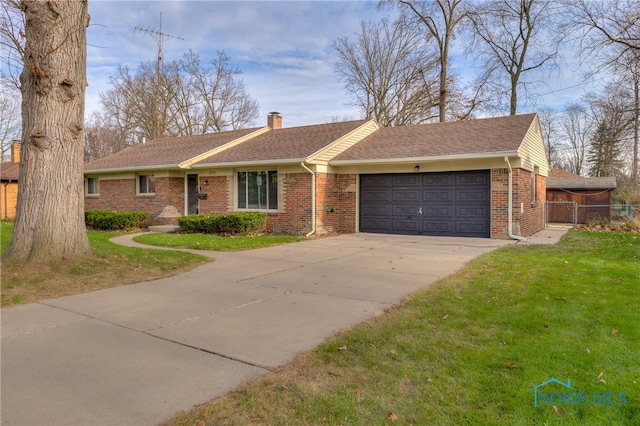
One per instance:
(447, 204)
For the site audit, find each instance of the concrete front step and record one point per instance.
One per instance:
(165, 229)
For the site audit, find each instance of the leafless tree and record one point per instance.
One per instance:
(599, 24)
(11, 43)
(10, 124)
(387, 73)
(441, 20)
(192, 98)
(509, 37)
(549, 125)
(49, 222)
(577, 126)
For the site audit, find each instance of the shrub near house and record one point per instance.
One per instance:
(237, 223)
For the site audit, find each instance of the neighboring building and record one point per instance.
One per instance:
(447, 179)
(594, 195)
(9, 184)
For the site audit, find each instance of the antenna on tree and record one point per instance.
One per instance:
(159, 36)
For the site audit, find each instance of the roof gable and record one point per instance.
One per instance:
(286, 144)
(456, 138)
(167, 152)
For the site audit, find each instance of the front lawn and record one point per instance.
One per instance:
(214, 242)
(112, 265)
(470, 349)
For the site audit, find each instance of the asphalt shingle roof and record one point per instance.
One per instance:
(166, 151)
(293, 143)
(9, 171)
(486, 135)
(582, 183)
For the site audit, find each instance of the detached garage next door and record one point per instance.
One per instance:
(446, 204)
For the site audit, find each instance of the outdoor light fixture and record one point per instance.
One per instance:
(416, 169)
(206, 182)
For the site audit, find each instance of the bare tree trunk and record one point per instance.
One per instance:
(50, 213)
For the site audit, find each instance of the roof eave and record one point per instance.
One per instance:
(280, 161)
(132, 169)
(455, 157)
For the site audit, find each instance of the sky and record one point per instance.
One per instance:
(284, 49)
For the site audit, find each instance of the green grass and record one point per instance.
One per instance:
(468, 350)
(214, 242)
(112, 265)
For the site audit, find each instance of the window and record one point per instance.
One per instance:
(533, 186)
(146, 184)
(93, 186)
(258, 190)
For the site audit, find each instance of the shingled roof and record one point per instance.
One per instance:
(166, 152)
(286, 144)
(455, 138)
(595, 183)
(9, 172)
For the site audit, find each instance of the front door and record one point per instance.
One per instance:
(192, 194)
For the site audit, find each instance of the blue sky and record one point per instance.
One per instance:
(283, 48)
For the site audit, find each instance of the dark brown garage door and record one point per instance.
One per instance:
(447, 204)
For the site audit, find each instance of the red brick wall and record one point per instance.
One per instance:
(295, 215)
(527, 218)
(120, 195)
(336, 203)
(217, 190)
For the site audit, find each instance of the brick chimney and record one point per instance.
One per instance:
(274, 120)
(15, 152)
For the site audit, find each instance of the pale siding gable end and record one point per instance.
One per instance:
(187, 164)
(532, 151)
(327, 153)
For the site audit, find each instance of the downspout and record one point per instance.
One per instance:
(510, 206)
(313, 200)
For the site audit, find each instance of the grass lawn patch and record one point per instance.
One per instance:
(214, 242)
(470, 349)
(113, 265)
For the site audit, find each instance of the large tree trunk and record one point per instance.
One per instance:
(50, 212)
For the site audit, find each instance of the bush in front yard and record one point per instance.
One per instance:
(105, 220)
(235, 223)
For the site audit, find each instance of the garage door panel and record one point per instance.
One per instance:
(437, 195)
(472, 228)
(406, 226)
(445, 204)
(377, 210)
(471, 195)
(472, 179)
(405, 210)
(437, 227)
(466, 212)
(437, 179)
(377, 195)
(407, 180)
(406, 195)
(437, 211)
(377, 224)
(379, 181)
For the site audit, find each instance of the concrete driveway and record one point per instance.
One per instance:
(138, 354)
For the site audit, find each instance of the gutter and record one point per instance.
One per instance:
(510, 205)
(313, 200)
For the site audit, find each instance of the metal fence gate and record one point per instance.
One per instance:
(570, 212)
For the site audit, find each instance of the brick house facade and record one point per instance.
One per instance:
(326, 163)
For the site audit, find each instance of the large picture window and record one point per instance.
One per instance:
(146, 184)
(258, 190)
